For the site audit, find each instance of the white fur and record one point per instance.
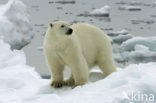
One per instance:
(86, 47)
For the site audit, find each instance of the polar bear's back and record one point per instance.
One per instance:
(92, 40)
(89, 34)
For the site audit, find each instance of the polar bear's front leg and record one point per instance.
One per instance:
(56, 71)
(57, 78)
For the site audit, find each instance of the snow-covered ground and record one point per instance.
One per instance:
(15, 27)
(20, 83)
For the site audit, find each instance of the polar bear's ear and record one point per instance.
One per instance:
(51, 25)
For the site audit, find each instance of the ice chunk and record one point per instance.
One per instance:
(138, 50)
(104, 11)
(15, 75)
(119, 36)
(122, 38)
(130, 44)
(141, 47)
(122, 32)
(130, 8)
(15, 27)
(142, 21)
(140, 54)
(14, 61)
(64, 1)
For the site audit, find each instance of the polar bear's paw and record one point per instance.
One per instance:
(69, 82)
(57, 84)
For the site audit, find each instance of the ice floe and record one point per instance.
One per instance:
(130, 8)
(15, 27)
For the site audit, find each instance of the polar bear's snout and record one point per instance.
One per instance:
(69, 31)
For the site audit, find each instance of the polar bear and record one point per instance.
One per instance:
(80, 46)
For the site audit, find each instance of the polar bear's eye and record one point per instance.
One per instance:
(62, 26)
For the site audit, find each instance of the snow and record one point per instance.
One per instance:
(14, 61)
(104, 11)
(21, 84)
(17, 30)
(15, 75)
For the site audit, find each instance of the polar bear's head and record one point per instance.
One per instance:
(60, 28)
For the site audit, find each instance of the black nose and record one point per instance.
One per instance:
(69, 32)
